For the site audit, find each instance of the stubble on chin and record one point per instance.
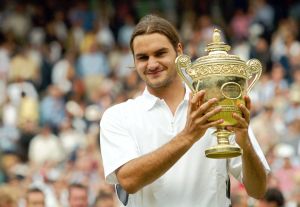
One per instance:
(161, 83)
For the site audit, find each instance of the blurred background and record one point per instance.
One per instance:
(62, 63)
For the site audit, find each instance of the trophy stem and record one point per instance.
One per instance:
(223, 149)
(222, 136)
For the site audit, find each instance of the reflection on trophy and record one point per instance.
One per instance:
(225, 77)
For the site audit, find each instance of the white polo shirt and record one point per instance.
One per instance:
(141, 125)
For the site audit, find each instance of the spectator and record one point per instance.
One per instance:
(28, 110)
(267, 126)
(52, 108)
(78, 195)
(288, 172)
(272, 198)
(70, 138)
(35, 198)
(63, 72)
(105, 199)
(15, 89)
(17, 21)
(6, 198)
(92, 65)
(23, 66)
(45, 148)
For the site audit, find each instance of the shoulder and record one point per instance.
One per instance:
(130, 107)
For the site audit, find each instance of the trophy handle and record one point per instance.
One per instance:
(254, 68)
(183, 66)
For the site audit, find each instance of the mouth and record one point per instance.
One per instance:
(154, 72)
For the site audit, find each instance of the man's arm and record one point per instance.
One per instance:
(254, 173)
(142, 171)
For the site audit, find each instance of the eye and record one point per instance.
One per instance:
(161, 53)
(142, 57)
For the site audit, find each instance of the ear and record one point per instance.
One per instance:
(179, 49)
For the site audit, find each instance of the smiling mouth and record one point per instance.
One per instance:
(155, 72)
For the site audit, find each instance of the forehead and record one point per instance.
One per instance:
(77, 191)
(150, 42)
(35, 195)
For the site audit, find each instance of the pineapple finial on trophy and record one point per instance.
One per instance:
(216, 36)
(217, 44)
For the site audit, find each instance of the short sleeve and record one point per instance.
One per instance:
(117, 146)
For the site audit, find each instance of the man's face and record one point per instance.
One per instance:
(35, 199)
(154, 58)
(78, 197)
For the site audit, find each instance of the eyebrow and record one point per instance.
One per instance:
(164, 49)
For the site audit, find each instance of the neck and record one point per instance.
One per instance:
(172, 94)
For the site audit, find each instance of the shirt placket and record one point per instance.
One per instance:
(170, 118)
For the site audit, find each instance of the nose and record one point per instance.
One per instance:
(152, 63)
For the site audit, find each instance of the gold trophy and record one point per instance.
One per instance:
(225, 77)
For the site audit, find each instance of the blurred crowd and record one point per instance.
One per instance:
(62, 63)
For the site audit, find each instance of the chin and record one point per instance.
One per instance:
(158, 85)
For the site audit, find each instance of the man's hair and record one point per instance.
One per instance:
(76, 185)
(150, 24)
(274, 195)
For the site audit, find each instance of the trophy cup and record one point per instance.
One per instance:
(225, 77)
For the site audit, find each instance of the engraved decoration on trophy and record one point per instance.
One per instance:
(225, 77)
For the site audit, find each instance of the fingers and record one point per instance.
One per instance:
(245, 109)
(243, 123)
(197, 99)
(212, 112)
(204, 111)
(247, 102)
(201, 110)
(203, 118)
(213, 123)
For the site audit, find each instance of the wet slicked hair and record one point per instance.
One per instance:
(150, 24)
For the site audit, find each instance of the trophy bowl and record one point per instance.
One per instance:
(225, 77)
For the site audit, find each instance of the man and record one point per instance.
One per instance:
(153, 146)
(78, 195)
(35, 198)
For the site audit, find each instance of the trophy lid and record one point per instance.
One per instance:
(218, 61)
(216, 44)
(217, 51)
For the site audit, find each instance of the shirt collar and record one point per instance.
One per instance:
(150, 100)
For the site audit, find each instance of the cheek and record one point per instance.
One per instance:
(140, 67)
(140, 73)
(168, 61)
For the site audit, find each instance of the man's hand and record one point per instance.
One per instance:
(198, 115)
(241, 129)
